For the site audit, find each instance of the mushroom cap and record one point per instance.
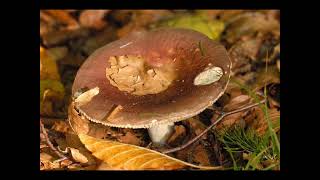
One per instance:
(189, 51)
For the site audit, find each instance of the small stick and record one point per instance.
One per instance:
(211, 126)
(49, 142)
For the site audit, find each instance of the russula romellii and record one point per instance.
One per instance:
(151, 80)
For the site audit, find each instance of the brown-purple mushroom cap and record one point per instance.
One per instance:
(152, 78)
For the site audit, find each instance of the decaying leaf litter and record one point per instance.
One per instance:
(246, 140)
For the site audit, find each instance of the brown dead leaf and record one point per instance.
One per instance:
(65, 163)
(230, 121)
(201, 156)
(46, 162)
(130, 138)
(237, 102)
(242, 53)
(264, 78)
(197, 126)
(233, 90)
(93, 19)
(256, 120)
(141, 19)
(247, 24)
(61, 126)
(178, 135)
(77, 156)
(64, 18)
(233, 119)
(131, 157)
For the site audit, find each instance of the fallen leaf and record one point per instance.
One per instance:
(247, 24)
(264, 78)
(48, 67)
(64, 18)
(178, 135)
(197, 126)
(237, 102)
(210, 28)
(230, 121)
(46, 162)
(257, 120)
(130, 138)
(61, 126)
(65, 163)
(53, 38)
(131, 157)
(76, 155)
(201, 156)
(45, 157)
(93, 18)
(104, 166)
(242, 53)
(51, 91)
(140, 20)
(57, 53)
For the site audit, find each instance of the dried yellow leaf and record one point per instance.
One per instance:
(130, 157)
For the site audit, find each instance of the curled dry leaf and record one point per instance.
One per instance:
(77, 156)
(130, 157)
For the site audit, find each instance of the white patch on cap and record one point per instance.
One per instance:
(86, 97)
(208, 76)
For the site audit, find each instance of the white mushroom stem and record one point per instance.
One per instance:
(160, 133)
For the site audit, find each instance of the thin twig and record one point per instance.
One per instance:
(211, 126)
(43, 130)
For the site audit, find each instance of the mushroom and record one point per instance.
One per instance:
(151, 79)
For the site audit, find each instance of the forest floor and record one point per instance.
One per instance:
(245, 140)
